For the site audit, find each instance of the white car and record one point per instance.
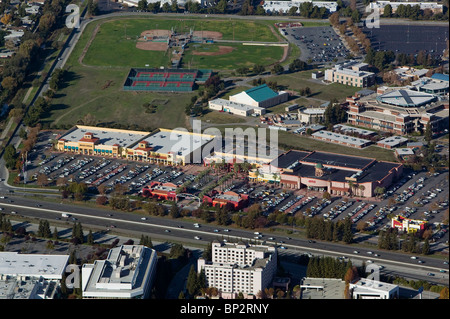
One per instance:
(356, 252)
(144, 218)
(196, 237)
(413, 257)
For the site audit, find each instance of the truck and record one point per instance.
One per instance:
(65, 215)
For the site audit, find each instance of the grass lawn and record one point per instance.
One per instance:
(217, 117)
(242, 55)
(115, 43)
(100, 93)
(95, 88)
(302, 79)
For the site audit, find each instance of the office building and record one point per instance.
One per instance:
(351, 73)
(239, 268)
(128, 272)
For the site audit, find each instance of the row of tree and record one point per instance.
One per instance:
(318, 228)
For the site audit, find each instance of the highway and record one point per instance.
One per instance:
(182, 231)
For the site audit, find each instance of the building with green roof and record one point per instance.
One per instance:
(260, 96)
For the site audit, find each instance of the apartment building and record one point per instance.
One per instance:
(351, 73)
(239, 268)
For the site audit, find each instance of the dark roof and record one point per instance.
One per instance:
(377, 171)
(352, 162)
(288, 158)
(337, 175)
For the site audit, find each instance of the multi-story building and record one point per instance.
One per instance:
(128, 272)
(379, 5)
(285, 6)
(398, 111)
(239, 268)
(351, 73)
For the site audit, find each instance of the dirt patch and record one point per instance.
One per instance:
(208, 34)
(222, 50)
(153, 40)
(152, 46)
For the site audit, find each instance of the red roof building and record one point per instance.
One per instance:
(234, 200)
(159, 190)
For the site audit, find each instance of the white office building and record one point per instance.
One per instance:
(239, 268)
(379, 5)
(285, 6)
(30, 276)
(126, 273)
(373, 289)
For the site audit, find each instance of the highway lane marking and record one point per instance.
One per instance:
(229, 236)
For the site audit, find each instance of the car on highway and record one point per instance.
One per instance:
(144, 218)
(283, 247)
(167, 231)
(356, 252)
(197, 237)
(413, 257)
(430, 274)
(442, 271)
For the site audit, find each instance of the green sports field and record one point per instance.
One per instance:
(114, 44)
(101, 60)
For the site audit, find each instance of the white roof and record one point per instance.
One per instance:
(33, 265)
(404, 151)
(341, 138)
(107, 136)
(176, 141)
(393, 140)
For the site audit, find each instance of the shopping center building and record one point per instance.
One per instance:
(338, 174)
(169, 147)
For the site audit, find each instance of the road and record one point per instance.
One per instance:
(185, 232)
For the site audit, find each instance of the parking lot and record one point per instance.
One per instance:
(416, 196)
(318, 44)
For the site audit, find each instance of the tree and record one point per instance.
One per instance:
(92, 7)
(174, 212)
(387, 12)
(277, 69)
(191, 284)
(426, 247)
(428, 135)
(10, 156)
(142, 5)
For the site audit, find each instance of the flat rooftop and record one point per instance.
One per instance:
(33, 265)
(350, 129)
(340, 160)
(322, 288)
(127, 268)
(341, 138)
(107, 136)
(180, 142)
(393, 141)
